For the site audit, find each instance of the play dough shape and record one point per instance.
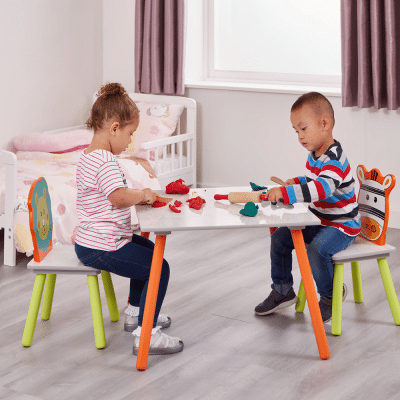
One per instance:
(249, 209)
(256, 188)
(177, 187)
(196, 202)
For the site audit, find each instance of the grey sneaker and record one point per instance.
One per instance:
(131, 323)
(160, 343)
(275, 301)
(325, 305)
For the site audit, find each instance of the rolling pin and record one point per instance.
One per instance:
(278, 181)
(241, 197)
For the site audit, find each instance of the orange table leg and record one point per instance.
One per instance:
(151, 300)
(311, 296)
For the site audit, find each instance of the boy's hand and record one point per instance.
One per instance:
(274, 195)
(149, 196)
(290, 182)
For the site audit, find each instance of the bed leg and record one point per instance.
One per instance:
(9, 248)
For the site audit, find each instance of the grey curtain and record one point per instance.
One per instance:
(371, 53)
(159, 30)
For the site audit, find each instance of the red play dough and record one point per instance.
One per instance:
(177, 203)
(177, 187)
(174, 209)
(196, 202)
(157, 204)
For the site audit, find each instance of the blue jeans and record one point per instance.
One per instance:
(132, 261)
(323, 242)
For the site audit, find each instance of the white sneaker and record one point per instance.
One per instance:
(160, 343)
(131, 323)
(131, 319)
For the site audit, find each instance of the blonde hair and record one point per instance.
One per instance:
(112, 101)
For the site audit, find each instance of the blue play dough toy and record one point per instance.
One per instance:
(250, 209)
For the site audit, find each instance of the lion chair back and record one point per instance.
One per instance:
(40, 219)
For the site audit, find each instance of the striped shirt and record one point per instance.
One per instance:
(101, 225)
(329, 186)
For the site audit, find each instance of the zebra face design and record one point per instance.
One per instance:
(372, 203)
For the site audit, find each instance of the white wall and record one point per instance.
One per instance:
(51, 64)
(119, 42)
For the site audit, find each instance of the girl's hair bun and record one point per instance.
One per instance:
(113, 101)
(111, 89)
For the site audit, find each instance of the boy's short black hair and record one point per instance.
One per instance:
(317, 101)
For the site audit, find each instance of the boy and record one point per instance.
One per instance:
(329, 188)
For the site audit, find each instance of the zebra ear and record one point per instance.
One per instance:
(361, 173)
(387, 181)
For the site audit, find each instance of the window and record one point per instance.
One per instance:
(271, 41)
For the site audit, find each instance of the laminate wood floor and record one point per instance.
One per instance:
(217, 278)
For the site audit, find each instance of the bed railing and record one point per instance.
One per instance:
(174, 148)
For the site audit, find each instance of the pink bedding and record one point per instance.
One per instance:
(59, 171)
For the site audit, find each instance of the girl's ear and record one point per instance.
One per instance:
(113, 128)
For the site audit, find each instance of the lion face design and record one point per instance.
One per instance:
(42, 215)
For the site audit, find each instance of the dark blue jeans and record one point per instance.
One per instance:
(323, 242)
(132, 261)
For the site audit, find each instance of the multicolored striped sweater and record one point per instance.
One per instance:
(329, 186)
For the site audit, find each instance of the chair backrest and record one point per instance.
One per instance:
(40, 219)
(373, 200)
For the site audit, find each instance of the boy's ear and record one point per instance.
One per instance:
(326, 122)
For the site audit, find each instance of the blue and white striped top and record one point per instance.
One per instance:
(329, 186)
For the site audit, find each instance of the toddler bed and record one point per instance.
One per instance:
(163, 150)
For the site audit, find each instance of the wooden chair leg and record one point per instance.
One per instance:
(33, 311)
(110, 296)
(357, 283)
(48, 296)
(337, 300)
(301, 302)
(95, 302)
(389, 289)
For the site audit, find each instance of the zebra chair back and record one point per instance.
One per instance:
(373, 201)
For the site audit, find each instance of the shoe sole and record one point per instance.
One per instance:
(162, 351)
(278, 307)
(131, 328)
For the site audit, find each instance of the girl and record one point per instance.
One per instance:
(104, 238)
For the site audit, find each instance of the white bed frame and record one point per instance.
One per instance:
(181, 145)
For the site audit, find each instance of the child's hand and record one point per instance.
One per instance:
(149, 196)
(290, 182)
(274, 195)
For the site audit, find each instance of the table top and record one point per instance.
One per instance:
(221, 214)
